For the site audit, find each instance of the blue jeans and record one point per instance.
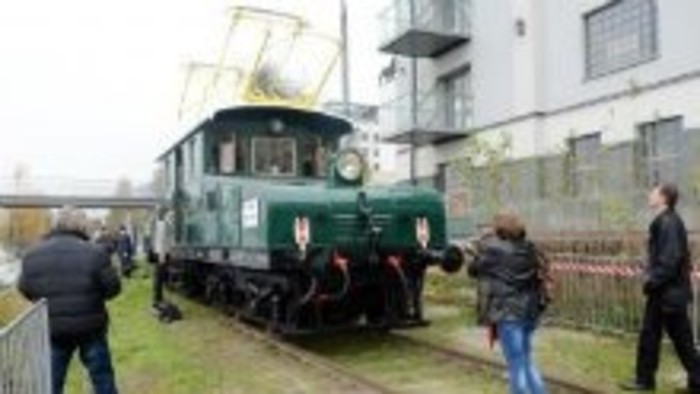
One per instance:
(95, 355)
(515, 338)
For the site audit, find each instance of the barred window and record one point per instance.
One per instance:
(660, 150)
(620, 35)
(585, 152)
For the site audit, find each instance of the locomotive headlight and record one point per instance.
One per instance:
(350, 166)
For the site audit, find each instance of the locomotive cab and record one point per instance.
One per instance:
(274, 221)
(270, 143)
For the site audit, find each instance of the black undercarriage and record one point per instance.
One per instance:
(384, 294)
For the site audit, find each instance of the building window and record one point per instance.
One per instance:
(660, 151)
(364, 137)
(456, 92)
(376, 153)
(376, 137)
(620, 35)
(585, 152)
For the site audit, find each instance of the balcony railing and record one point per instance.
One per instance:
(437, 118)
(436, 27)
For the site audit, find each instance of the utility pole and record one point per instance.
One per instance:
(414, 100)
(345, 72)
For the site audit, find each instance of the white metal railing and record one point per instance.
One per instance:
(54, 186)
(25, 358)
(437, 16)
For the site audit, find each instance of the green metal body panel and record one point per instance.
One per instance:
(216, 216)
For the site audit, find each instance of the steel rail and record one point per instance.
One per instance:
(351, 381)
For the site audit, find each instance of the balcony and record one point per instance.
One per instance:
(439, 118)
(437, 27)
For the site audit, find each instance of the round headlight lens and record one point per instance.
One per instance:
(350, 166)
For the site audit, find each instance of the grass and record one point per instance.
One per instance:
(200, 354)
(599, 361)
(12, 304)
(393, 363)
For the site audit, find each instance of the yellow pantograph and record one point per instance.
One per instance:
(267, 57)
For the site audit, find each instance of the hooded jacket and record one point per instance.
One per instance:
(76, 277)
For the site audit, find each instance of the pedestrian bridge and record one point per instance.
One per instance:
(59, 192)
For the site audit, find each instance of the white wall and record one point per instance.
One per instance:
(544, 71)
(679, 51)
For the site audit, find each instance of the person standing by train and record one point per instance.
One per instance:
(162, 243)
(507, 266)
(668, 290)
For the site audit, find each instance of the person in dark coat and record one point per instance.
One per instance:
(76, 278)
(105, 240)
(510, 298)
(668, 291)
(125, 251)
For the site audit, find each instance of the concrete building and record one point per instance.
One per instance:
(597, 99)
(367, 138)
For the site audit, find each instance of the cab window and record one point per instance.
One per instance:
(274, 156)
(313, 157)
(228, 154)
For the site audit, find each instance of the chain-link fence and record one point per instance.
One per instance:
(24, 352)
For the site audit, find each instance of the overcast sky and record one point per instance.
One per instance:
(89, 89)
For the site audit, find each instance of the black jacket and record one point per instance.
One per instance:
(508, 281)
(76, 277)
(668, 269)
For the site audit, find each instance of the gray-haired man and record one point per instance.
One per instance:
(76, 278)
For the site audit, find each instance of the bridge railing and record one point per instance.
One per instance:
(50, 186)
(25, 365)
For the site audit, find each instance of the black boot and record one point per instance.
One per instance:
(637, 386)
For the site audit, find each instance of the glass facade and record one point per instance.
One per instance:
(456, 91)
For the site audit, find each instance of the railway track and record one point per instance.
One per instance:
(555, 384)
(346, 380)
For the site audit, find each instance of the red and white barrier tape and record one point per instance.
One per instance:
(623, 270)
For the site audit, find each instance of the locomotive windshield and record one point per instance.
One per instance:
(274, 156)
(289, 155)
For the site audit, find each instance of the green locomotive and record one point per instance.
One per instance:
(273, 221)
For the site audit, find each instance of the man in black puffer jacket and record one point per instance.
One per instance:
(76, 278)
